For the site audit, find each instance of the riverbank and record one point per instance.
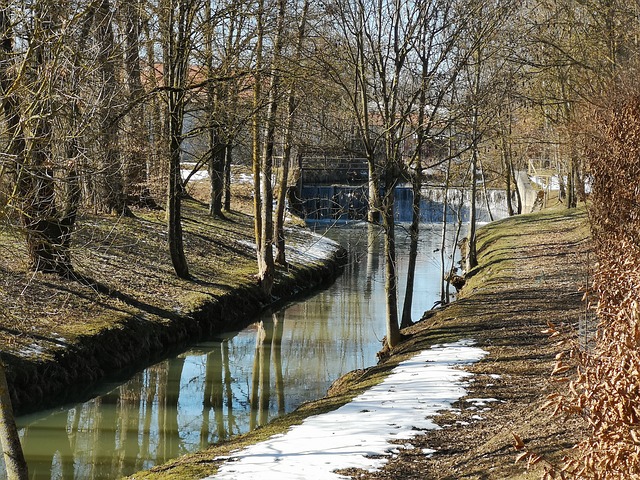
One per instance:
(531, 271)
(126, 308)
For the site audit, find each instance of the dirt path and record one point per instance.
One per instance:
(532, 270)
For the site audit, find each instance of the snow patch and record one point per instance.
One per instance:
(481, 402)
(358, 434)
(33, 350)
(199, 175)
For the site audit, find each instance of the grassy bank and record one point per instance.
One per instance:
(127, 307)
(531, 270)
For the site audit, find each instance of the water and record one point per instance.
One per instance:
(230, 384)
(349, 202)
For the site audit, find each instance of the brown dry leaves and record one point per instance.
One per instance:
(606, 386)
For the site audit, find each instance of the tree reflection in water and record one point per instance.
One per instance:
(268, 351)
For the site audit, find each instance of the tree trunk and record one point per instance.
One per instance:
(281, 257)
(286, 154)
(414, 232)
(110, 189)
(506, 165)
(135, 164)
(14, 461)
(391, 279)
(256, 165)
(472, 259)
(174, 207)
(174, 192)
(362, 111)
(176, 52)
(516, 188)
(216, 146)
(445, 277)
(267, 266)
(373, 212)
(228, 155)
(485, 192)
(47, 233)
(572, 177)
(217, 152)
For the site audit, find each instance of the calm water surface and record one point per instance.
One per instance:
(233, 383)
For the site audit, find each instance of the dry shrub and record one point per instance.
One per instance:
(606, 388)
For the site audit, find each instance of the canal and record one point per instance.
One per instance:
(237, 381)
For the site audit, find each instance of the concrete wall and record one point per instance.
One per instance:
(527, 190)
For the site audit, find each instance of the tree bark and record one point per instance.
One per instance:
(217, 151)
(135, 163)
(256, 166)
(14, 461)
(228, 155)
(174, 195)
(506, 165)
(517, 189)
(445, 277)
(472, 258)
(391, 278)
(216, 145)
(281, 258)
(47, 233)
(176, 52)
(414, 233)
(266, 260)
(110, 190)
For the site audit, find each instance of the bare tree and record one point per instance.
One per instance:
(216, 146)
(178, 21)
(383, 39)
(47, 226)
(484, 67)
(573, 50)
(437, 64)
(135, 163)
(110, 183)
(256, 166)
(288, 139)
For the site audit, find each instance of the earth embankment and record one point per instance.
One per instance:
(534, 271)
(125, 307)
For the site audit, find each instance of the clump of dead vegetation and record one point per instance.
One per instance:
(606, 385)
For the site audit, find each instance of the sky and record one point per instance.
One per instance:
(399, 408)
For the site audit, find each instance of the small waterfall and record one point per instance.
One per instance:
(334, 202)
(348, 202)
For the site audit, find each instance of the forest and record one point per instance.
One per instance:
(112, 107)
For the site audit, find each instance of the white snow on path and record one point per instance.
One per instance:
(397, 408)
